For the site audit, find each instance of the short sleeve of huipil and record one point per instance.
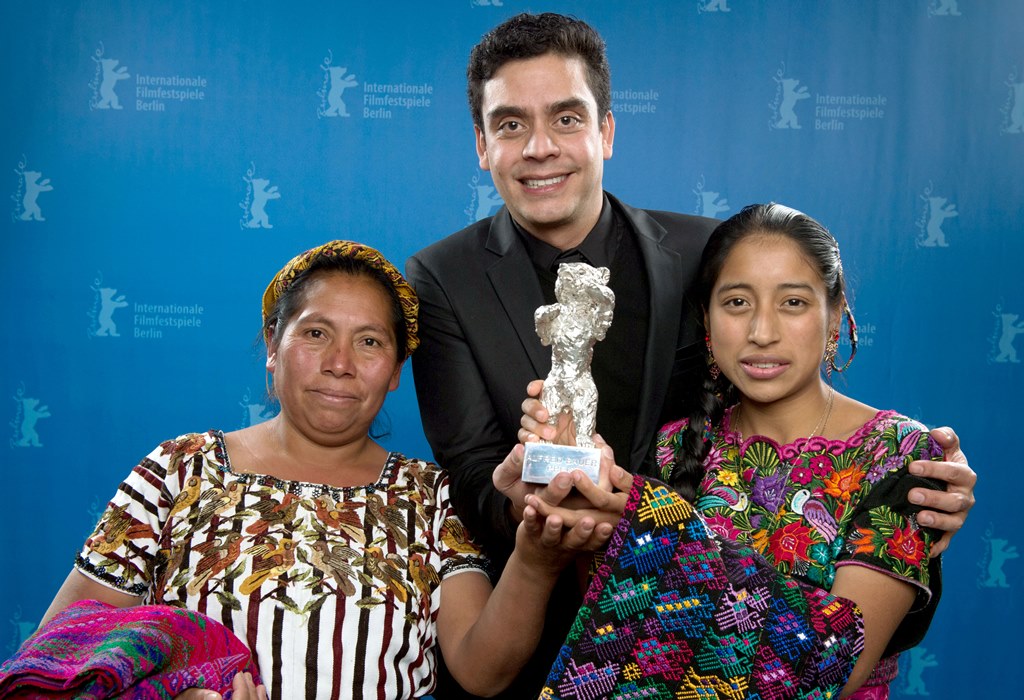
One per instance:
(458, 551)
(123, 550)
(884, 533)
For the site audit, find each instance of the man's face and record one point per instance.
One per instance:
(545, 146)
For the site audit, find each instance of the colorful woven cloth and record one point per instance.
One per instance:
(676, 612)
(95, 650)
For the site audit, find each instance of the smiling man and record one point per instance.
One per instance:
(540, 96)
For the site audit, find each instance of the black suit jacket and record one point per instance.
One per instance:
(478, 292)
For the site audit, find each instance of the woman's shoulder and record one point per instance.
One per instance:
(170, 454)
(415, 462)
(859, 423)
(889, 421)
(191, 442)
(670, 430)
(421, 471)
(893, 434)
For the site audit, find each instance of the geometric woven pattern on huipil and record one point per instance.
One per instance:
(814, 505)
(675, 612)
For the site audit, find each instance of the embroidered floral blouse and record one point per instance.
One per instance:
(814, 505)
(336, 590)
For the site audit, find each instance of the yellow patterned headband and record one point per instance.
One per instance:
(357, 251)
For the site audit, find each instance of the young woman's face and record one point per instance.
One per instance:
(336, 359)
(768, 319)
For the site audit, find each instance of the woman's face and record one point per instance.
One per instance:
(768, 319)
(336, 359)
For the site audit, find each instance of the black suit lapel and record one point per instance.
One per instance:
(517, 289)
(665, 278)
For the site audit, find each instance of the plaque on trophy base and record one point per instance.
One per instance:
(542, 461)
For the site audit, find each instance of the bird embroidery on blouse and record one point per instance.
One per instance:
(816, 513)
(269, 561)
(718, 496)
(188, 496)
(389, 569)
(214, 502)
(455, 537)
(336, 561)
(389, 517)
(343, 517)
(118, 527)
(273, 512)
(423, 575)
(216, 557)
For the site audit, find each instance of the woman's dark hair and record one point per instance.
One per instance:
(293, 298)
(821, 250)
(528, 36)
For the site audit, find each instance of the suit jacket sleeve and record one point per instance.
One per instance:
(459, 418)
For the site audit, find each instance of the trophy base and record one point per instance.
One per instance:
(542, 461)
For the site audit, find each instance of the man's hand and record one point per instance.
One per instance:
(601, 503)
(535, 418)
(947, 509)
(508, 478)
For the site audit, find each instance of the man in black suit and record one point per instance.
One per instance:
(543, 132)
(540, 94)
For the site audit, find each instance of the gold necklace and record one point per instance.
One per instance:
(822, 422)
(828, 413)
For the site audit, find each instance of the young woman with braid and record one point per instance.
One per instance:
(777, 458)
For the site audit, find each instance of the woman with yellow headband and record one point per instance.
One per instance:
(340, 565)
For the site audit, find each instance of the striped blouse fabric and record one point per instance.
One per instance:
(336, 590)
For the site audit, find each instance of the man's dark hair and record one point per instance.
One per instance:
(528, 36)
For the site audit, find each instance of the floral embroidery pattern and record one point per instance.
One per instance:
(811, 504)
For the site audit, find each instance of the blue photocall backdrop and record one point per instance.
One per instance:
(164, 159)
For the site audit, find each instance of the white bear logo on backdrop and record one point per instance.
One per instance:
(788, 93)
(484, 201)
(258, 192)
(934, 212)
(31, 184)
(23, 629)
(1007, 329)
(106, 301)
(997, 552)
(944, 8)
(713, 6)
(254, 412)
(336, 81)
(108, 74)
(1013, 110)
(27, 413)
(917, 659)
(709, 203)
